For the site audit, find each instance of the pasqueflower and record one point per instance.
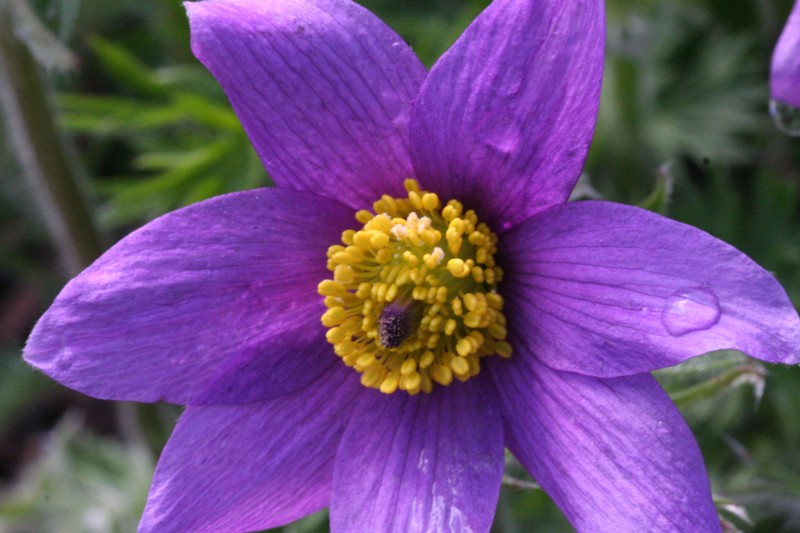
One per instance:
(785, 75)
(415, 294)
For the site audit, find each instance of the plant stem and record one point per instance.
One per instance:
(42, 152)
(740, 374)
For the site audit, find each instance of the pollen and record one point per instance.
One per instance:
(412, 299)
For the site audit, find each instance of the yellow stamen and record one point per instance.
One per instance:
(412, 300)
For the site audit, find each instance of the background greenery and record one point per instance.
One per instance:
(683, 130)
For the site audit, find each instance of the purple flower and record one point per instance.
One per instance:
(785, 76)
(216, 306)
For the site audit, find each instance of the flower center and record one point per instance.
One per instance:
(413, 297)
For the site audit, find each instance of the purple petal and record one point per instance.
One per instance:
(505, 118)
(785, 74)
(606, 290)
(251, 467)
(420, 463)
(614, 454)
(323, 88)
(214, 303)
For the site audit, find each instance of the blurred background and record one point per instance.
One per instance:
(126, 125)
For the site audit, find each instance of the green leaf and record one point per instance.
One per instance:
(126, 69)
(658, 201)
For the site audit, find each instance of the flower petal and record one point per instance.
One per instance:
(785, 73)
(251, 467)
(506, 116)
(614, 454)
(606, 290)
(323, 88)
(431, 462)
(214, 303)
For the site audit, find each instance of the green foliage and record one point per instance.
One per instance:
(79, 482)
(677, 89)
(186, 142)
(19, 386)
(711, 376)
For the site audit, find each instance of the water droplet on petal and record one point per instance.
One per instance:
(423, 462)
(511, 84)
(457, 520)
(786, 117)
(689, 310)
(401, 120)
(502, 134)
